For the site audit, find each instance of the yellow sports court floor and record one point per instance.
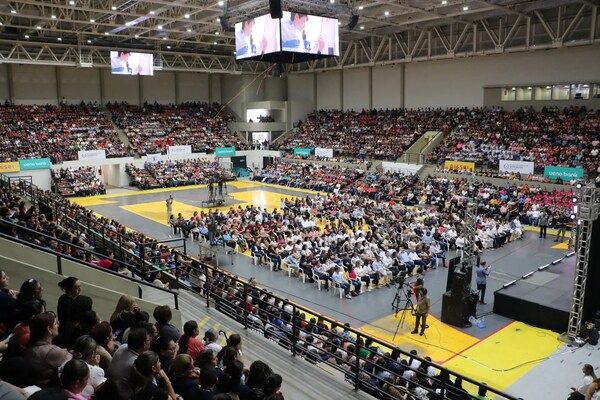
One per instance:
(499, 358)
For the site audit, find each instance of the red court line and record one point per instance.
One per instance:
(477, 342)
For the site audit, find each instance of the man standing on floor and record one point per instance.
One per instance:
(543, 224)
(423, 305)
(482, 271)
(169, 202)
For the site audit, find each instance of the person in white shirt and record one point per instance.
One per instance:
(338, 279)
(378, 267)
(578, 393)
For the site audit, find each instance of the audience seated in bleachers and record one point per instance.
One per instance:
(152, 128)
(177, 173)
(83, 181)
(56, 132)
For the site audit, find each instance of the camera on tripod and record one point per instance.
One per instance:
(400, 279)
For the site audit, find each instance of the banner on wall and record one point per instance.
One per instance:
(225, 151)
(299, 151)
(522, 167)
(174, 150)
(91, 155)
(12, 166)
(459, 165)
(323, 152)
(153, 158)
(35, 163)
(564, 173)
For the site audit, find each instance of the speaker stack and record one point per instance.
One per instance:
(458, 304)
(275, 9)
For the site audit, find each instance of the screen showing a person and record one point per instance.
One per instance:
(257, 36)
(129, 63)
(303, 33)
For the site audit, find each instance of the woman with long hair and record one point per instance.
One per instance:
(30, 290)
(102, 334)
(144, 371)
(189, 342)
(46, 356)
(231, 381)
(184, 376)
(258, 374)
(578, 393)
(8, 298)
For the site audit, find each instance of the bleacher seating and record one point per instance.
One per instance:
(152, 128)
(56, 132)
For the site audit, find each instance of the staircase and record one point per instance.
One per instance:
(120, 132)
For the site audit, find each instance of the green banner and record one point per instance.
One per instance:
(299, 151)
(225, 151)
(35, 163)
(564, 173)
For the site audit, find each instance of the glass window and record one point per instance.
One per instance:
(580, 91)
(560, 92)
(525, 93)
(596, 90)
(543, 92)
(509, 94)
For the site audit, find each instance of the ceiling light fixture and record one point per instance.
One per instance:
(38, 27)
(106, 33)
(360, 7)
(53, 16)
(362, 27)
(332, 1)
(59, 39)
(92, 21)
(444, 2)
(152, 12)
(136, 36)
(220, 3)
(113, 8)
(159, 27)
(186, 16)
(89, 41)
(168, 47)
(466, 8)
(72, 2)
(386, 13)
(217, 33)
(128, 23)
(215, 42)
(164, 38)
(188, 30)
(13, 11)
(218, 19)
(26, 36)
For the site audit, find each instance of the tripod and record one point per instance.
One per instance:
(402, 302)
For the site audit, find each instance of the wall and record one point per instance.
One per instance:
(79, 84)
(357, 89)
(4, 90)
(39, 177)
(159, 88)
(192, 86)
(33, 84)
(459, 82)
(329, 90)
(121, 88)
(387, 86)
(301, 96)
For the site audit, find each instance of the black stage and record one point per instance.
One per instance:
(542, 299)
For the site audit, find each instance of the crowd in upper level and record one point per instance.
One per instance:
(152, 128)
(380, 134)
(56, 132)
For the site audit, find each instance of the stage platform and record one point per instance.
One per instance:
(542, 299)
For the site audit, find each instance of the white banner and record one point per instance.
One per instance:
(173, 150)
(91, 155)
(522, 167)
(153, 158)
(319, 152)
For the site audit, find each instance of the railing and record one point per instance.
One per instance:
(248, 304)
(285, 324)
(20, 230)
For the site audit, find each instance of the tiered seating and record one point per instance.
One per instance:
(82, 181)
(55, 132)
(177, 173)
(569, 137)
(368, 134)
(152, 128)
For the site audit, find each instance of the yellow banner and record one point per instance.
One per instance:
(459, 165)
(10, 167)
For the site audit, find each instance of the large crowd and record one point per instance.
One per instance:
(82, 181)
(569, 137)
(152, 128)
(177, 173)
(379, 134)
(56, 132)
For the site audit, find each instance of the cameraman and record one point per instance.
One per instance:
(422, 309)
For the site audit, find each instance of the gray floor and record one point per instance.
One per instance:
(508, 263)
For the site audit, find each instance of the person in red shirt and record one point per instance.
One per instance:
(106, 262)
(188, 342)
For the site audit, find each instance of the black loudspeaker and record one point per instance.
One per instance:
(275, 9)
(455, 310)
(267, 161)
(353, 22)
(225, 25)
(453, 263)
(457, 286)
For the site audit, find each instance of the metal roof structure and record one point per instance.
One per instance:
(197, 35)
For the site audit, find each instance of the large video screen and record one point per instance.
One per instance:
(256, 37)
(303, 33)
(129, 63)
